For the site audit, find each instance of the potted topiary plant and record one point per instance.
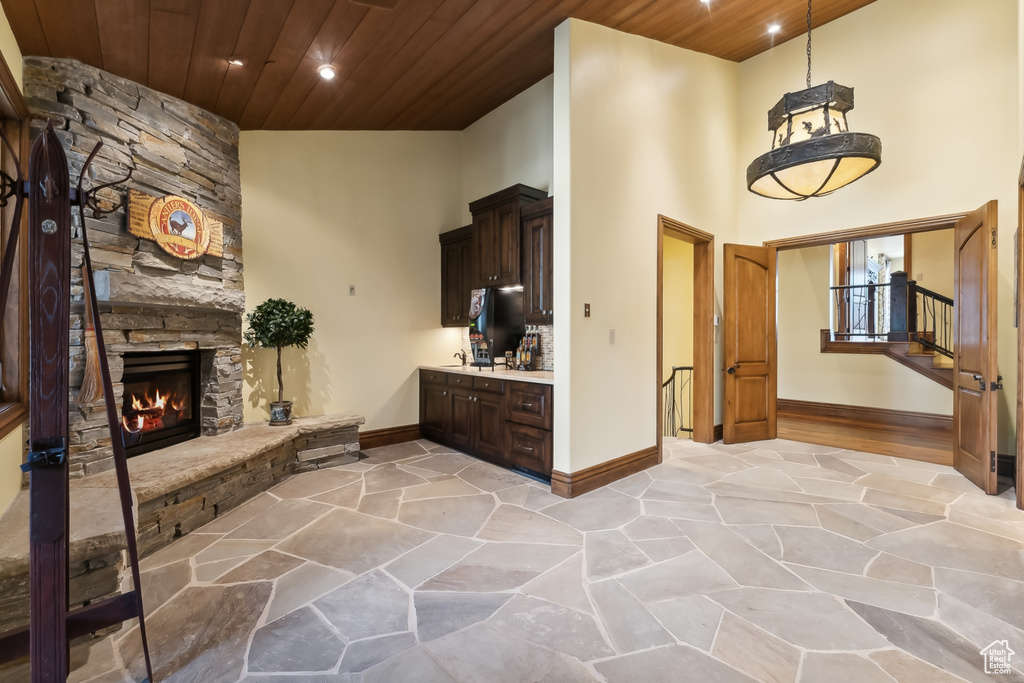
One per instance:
(275, 324)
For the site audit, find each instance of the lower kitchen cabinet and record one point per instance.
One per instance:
(529, 447)
(490, 435)
(474, 415)
(435, 411)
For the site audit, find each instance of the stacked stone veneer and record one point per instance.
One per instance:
(153, 301)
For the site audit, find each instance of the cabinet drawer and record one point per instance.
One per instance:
(530, 404)
(489, 384)
(455, 380)
(433, 377)
(529, 447)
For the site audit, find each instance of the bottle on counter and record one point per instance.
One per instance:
(526, 350)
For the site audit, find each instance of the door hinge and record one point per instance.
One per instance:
(998, 384)
(992, 460)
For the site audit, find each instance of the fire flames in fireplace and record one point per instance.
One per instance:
(153, 412)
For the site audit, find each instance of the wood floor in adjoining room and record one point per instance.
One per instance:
(771, 561)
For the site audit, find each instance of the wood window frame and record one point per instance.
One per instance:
(14, 117)
(703, 327)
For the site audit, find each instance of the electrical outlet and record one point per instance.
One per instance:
(586, 310)
(351, 290)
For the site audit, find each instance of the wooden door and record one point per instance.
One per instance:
(461, 428)
(537, 269)
(435, 409)
(750, 344)
(975, 371)
(490, 428)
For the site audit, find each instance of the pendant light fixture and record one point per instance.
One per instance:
(813, 151)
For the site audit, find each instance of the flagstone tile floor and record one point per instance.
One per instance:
(771, 561)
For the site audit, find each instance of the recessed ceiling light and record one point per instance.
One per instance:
(237, 61)
(326, 72)
(706, 2)
(774, 28)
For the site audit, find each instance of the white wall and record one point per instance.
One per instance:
(641, 128)
(936, 80)
(806, 374)
(325, 210)
(512, 144)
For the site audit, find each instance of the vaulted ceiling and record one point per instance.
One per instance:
(401, 64)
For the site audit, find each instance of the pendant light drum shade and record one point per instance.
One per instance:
(813, 152)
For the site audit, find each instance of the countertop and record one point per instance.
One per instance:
(535, 376)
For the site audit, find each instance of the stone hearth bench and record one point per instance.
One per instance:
(177, 490)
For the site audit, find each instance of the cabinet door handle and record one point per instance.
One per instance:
(524, 448)
(444, 393)
(525, 405)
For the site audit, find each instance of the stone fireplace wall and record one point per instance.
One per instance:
(150, 301)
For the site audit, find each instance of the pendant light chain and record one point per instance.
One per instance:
(808, 43)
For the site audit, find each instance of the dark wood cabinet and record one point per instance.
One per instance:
(478, 423)
(490, 435)
(456, 276)
(435, 411)
(503, 421)
(529, 447)
(496, 242)
(464, 417)
(538, 273)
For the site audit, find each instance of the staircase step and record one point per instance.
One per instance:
(944, 362)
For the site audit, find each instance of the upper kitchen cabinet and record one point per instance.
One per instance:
(496, 248)
(456, 276)
(538, 273)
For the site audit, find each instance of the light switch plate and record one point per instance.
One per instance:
(611, 336)
(351, 290)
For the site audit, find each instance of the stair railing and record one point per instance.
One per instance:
(897, 311)
(930, 319)
(677, 394)
(860, 312)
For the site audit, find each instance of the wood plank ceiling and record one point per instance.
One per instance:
(423, 65)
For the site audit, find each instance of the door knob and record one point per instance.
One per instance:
(732, 370)
(981, 382)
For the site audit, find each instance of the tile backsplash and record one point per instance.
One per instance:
(547, 349)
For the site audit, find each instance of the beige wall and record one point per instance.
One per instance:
(806, 374)
(932, 262)
(10, 446)
(325, 210)
(677, 331)
(10, 50)
(512, 144)
(641, 128)
(10, 460)
(921, 69)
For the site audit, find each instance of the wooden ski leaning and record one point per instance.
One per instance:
(51, 626)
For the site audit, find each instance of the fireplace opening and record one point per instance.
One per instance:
(161, 400)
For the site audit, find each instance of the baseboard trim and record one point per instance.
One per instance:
(719, 432)
(389, 436)
(571, 484)
(902, 433)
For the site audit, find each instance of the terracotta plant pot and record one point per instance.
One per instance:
(280, 413)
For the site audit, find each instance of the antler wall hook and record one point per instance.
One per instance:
(90, 199)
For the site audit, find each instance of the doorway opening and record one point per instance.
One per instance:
(685, 331)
